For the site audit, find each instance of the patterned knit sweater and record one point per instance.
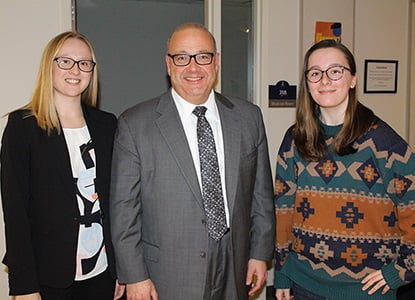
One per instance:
(346, 216)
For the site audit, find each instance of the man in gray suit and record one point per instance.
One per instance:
(164, 232)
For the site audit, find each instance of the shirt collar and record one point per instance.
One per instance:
(187, 108)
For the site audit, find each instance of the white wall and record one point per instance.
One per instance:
(25, 28)
(382, 32)
(278, 59)
(327, 11)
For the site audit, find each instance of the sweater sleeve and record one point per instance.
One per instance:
(284, 197)
(399, 179)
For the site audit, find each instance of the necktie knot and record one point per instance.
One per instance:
(200, 111)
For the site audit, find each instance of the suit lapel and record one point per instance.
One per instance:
(98, 140)
(97, 136)
(231, 142)
(57, 152)
(171, 129)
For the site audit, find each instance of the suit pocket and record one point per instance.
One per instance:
(151, 252)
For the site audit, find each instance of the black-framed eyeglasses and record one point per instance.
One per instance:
(333, 73)
(182, 60)
(67, 63)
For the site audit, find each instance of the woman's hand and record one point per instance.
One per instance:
(283, 294)
(34, 296)
(376, 281)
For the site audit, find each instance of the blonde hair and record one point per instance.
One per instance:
(42, 104)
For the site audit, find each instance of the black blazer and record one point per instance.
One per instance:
(41, 213)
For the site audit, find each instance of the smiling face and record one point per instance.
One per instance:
(192, 82)
(69, 84)
(332, 96)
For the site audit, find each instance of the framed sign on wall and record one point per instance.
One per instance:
(381, 76)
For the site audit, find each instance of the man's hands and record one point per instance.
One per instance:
(256, 275)
(119, 290)
(143, 290)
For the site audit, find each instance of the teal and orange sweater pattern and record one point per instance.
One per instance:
(344, 217)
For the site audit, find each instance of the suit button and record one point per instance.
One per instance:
(75, 218)
(203, 221)
(202, 254)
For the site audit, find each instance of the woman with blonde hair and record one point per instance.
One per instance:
(55, 171)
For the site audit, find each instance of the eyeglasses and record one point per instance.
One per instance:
(67, 63)
(333, 73)
(182, 60)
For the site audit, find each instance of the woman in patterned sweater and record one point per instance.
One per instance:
(344, 191)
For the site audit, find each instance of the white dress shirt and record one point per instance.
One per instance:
(189, 122)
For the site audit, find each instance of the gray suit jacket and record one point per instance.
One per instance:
(157, 216)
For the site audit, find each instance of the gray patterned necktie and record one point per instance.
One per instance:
(211, 183)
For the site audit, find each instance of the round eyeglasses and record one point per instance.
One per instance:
(182, 60)
(333, 73)
(67, 63)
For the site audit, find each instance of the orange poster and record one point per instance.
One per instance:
(328, 30)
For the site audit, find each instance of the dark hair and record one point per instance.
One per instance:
(308, 134)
